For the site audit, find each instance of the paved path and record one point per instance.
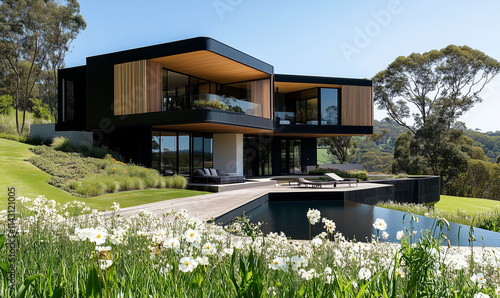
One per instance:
(212, 205)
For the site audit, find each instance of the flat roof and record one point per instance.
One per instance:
(290, 83)
(188, 55)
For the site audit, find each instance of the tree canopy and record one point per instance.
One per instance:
(447, 82)
(35, 35)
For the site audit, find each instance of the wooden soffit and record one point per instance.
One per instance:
(213, 128)
(211, 66)
(287, 87)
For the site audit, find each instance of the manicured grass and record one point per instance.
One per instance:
(322, 156)
(29, 181)
(468, 205)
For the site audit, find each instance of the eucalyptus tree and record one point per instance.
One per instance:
(447, 82)
(39, 33)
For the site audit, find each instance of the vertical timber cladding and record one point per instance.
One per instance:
(357, 105)
(137, 87)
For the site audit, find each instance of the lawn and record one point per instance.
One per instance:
(29, 181)
(472, 205)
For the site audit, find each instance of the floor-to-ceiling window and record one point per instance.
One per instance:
(329, 106)
(317, 106)
(175, 91)
(168, 153)
(257, 156)
(184, 154)
(180, 153)
(291, 156)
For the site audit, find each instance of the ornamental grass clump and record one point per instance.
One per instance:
(89, 177)
(72, 251)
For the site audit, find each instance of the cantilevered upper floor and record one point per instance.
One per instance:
(202, 85)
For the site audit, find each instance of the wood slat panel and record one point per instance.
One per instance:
(357, 105)
(130, 88)
(210, 66)
(153, 86)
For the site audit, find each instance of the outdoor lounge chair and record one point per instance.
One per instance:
(337, 179)
(306, 183)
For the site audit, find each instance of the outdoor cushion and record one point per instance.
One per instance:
(207, 172)
(213, 172)
(199, 172)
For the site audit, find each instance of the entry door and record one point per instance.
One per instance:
(291, 157)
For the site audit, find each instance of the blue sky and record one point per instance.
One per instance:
(336, 38)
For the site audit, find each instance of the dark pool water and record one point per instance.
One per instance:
(354, 221)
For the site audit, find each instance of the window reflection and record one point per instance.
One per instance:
(187, 92)
(307, 107)
(329, 106)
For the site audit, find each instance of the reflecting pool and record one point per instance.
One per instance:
(354, 221)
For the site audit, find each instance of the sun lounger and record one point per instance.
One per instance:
(337, 179)
(306, 183)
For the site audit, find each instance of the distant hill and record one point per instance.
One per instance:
(377, 155)
(490, 142)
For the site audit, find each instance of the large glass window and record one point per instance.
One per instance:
(309, 107)
(188, 92)
(168, 153)
(197, 152)
(180, 153)
(291, 156)
(175, 91)
(208, 152)
(329, 106)
(155, 150)
(257, 156)
(184, 159)
(306, 103)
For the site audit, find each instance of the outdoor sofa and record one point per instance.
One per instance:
(215, 176)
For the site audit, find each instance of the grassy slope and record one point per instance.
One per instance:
(451, 204)
(29, 181)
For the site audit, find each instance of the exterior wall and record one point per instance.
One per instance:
(357, 106)
(228, 153)
(48, 131)
(416, 190)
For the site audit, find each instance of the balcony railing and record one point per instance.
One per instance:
(221, 102)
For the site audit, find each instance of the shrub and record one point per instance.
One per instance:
(6, 104)
(40, 110)
(90, 187)
(136, 182)
(124, 184)
(179, 182)
(360, 175)
(162, 182)
(401, 175)
(109, 184)
(73, 185)
(150, 182)
(62, 144)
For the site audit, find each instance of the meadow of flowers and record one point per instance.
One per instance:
(72, 251)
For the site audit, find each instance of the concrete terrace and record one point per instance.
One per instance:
(215, 205)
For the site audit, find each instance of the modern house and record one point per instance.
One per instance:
(198, 103)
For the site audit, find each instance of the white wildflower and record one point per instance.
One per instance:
(364, 273)
(314, 216)
(380, 224)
